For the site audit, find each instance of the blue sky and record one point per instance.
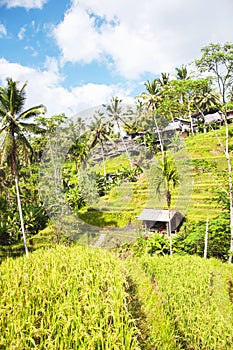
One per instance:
(78, 54)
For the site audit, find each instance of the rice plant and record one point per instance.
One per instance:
(65, 298)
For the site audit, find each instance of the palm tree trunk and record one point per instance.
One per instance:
(21, 214)
(230, 185)
(159, 136)
(170, 231)
(125, 147)
(103, 157)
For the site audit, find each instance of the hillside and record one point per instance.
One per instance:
(199, 163)
(207, 158)
(79, 298)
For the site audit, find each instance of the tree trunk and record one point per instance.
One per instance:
(230, 188)
(21, 214)
(159, 136)
(170, 231)
(103, 157)
(125, 147)
(206, 238)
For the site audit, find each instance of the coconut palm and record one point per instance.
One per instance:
(164, 80)
(152, 94)
(152, 98)
(100, 131)
(79, 149)
(206, 98)
(15, 126)
(182, 73)
(114, 111)
(167, 177)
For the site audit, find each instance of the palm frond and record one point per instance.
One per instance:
(32, 127)
(32, 112)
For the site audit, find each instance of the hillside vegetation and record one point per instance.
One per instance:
(80, 298)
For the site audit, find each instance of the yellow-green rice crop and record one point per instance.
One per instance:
(65, 298)
(196, 296)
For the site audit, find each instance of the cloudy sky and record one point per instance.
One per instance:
(78, 54)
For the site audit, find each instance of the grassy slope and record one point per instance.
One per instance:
(123, 205)
(205, 147)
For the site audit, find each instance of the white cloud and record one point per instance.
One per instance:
(28, 4)
(84, 44)
(21, 33)
(3, 31)
(45, 87)
(135, 37)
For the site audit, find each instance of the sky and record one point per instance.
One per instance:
(75, 55)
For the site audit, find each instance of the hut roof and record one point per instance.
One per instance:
(161, 215)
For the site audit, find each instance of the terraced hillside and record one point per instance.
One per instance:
(208, 160)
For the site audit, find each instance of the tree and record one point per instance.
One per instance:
(15, 126)
(167, 177)
(152, 98)
(80, 149)
(217, 60)
(100, 132)
(182, 73)
(114, 111)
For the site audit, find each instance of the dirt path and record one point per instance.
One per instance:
(100, 240)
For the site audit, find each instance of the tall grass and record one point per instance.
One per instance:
(196, 296)
(65, 298)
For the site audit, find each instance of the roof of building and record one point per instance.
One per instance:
(214, 117)
(172, 126)
(160, 215)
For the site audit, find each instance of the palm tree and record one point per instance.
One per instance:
(182, 73)
(100, 131)
(206, 99)
(115, 113)
(164, 80)
(152, 94)
(152, 98)
(167, 178)
(80, 149)
(15, 126)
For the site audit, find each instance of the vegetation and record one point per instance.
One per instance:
(133, 296)
(77, 297)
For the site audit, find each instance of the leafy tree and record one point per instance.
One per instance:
(15, 126)
(217, 60)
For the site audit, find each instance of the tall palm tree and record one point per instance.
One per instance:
(206, 99)
(165, 78)
(114, 111)
(15, 126)
(100, 131)
(167, 178)
(80, 149)
(182, 73)
(152, 94)
(152, 98)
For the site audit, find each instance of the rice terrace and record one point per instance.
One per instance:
(116, 225)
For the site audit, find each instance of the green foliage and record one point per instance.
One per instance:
(150, 244)
(191, 240)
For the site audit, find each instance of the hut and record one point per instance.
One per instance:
(158, 219)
